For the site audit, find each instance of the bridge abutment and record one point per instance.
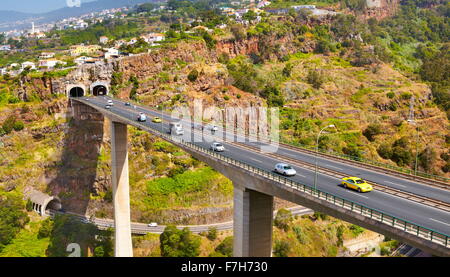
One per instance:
(121, 190)
(253, 223)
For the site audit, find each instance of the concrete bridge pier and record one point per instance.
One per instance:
(253, 222)
(121, 190)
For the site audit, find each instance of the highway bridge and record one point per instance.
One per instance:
(412, 210)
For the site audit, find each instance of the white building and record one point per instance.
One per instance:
(81, 60)
(263, 4)
(104, 40)
(50, 63)
(5, 47)
(28, 64)
(111, 53)
(46, 55)
(153, 37)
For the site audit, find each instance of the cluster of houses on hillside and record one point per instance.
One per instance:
(81, 54)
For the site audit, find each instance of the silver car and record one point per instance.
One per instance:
(285, 169)
(218, 147)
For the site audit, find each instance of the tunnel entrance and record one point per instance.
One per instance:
(55, 204)
(76, 92)
(99, 90)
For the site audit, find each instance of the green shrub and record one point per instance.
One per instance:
(283, 219)
(315, 78)
(385, 151)
(300, 235)
(179, 243)
(8, 124)
(281, 248)
(46, 228)
(226, 247)
(390, 94)
(372, 130)
(321, 216)
(226, 97)
(238, 96)
(401, 156)
(212, 233)
(18, 126)
(13, 100)
(12, 217)
(356, 230)
(193, 75)
(353, 151)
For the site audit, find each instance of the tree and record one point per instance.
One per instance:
(68, 229)
(212, 233)
(179, 243)
(385, 151)
(46, 228)
(12, 217)
(226, 247)
(315, 78)
(283, 219)
(401, 156)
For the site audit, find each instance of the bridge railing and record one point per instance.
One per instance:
(401, 224)
(353, 206)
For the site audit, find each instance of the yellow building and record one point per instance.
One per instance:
(77, 50)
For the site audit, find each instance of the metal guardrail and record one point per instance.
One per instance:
(393, 221)
(409, 227)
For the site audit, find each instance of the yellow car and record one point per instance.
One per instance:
(356, 184)
(157, 120)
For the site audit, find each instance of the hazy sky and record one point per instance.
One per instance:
(35, 6)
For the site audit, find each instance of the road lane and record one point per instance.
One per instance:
(405, 209)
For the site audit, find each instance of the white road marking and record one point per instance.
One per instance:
(334, 167)
(395, 184)
(357, 194)
(440, 221)
(255, 160)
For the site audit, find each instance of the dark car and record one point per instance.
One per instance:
(127, 104)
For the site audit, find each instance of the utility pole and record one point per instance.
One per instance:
(412, 120)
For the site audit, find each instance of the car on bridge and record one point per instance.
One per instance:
(157, 120)
(108, 106)
(217, 147)
(127, 104)
(153, 224)
(357, 184)
(176, 128)
(110, 102)
(142, 117)
(285, 169)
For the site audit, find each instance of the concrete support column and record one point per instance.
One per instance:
(121, 190)
(252, 225)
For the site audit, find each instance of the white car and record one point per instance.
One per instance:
(108, 107)
(153, 224)
(110, 102)
(285, 169)
(218, 147)
(142, 117)
(214, 128)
